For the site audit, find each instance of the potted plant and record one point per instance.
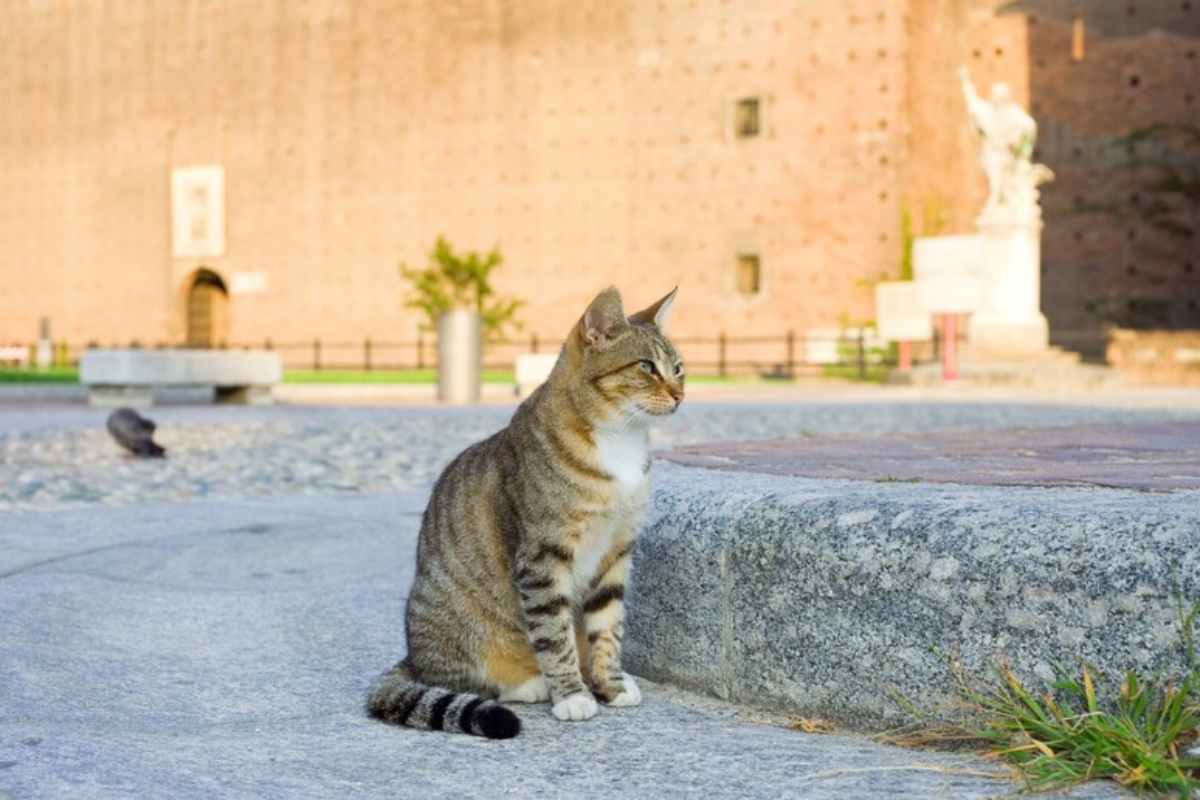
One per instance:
(455, 294)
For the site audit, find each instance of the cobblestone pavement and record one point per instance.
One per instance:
(61, 457)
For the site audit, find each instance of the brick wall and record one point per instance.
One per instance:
(1100, 71)
(592, 141)
(1156, 357)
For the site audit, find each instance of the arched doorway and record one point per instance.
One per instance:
(207, 311)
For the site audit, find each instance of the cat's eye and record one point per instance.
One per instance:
(679, 370)
(648, 367)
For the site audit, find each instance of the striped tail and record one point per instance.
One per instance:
(397, 697)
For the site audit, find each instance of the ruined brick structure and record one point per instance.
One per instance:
(638, 142)
(1122, 241)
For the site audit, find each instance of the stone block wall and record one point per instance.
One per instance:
(1156, 357)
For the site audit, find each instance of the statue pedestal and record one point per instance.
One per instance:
(1009, 322)
(995, 275)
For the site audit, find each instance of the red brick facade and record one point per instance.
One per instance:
(1108, 255)
(595, 142)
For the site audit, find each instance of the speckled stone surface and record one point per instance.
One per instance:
(825, 596)
(220, 647)
(55, 457)
(1150, 457)
(222, 650)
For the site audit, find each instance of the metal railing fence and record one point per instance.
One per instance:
(786, 355)
(851, 353)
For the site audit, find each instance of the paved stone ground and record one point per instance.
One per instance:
(222, 650)
(220, 647)
(60, 456)
(1149, 457)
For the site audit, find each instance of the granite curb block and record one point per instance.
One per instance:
(825, 597)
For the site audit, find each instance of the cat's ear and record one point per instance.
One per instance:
(657, 314)
(604, 321)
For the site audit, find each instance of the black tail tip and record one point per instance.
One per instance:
(497, 722)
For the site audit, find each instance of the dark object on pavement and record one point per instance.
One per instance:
(134, 432)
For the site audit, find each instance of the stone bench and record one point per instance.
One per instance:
(765, 579)
(130, 377)
(16, 355)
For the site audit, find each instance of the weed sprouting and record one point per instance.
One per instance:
(1074, 731)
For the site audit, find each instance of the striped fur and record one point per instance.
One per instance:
(525, 545)
(399, 699)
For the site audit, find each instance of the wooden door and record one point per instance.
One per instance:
(205, 313)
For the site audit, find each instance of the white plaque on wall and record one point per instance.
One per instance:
(900, 315)
(948, 271)
(248, 283)
(198, 212)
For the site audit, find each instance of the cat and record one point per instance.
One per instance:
(525, 545)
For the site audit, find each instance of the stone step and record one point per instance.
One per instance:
(1051, 375)
(825, 596)
(1053, 355)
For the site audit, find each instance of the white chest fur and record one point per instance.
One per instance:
(623, 454)
(592, 549)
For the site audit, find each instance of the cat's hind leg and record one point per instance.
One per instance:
(510, 665)
(533, 690)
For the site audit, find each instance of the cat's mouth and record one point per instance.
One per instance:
(661, 411)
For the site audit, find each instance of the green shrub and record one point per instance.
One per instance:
(461, 281)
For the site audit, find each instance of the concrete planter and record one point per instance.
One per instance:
(460, 357)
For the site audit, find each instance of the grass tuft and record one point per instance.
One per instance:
(1066, 736)
(1138, 735)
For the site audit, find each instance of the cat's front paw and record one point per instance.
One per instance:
(575, 707)
(626, 693)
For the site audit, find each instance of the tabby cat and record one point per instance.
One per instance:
(525, 544)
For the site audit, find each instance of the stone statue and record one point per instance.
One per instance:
(1007, 134)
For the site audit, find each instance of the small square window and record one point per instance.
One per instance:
(749, 273)
(746, 122)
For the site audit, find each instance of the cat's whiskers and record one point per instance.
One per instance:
(630, 414)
